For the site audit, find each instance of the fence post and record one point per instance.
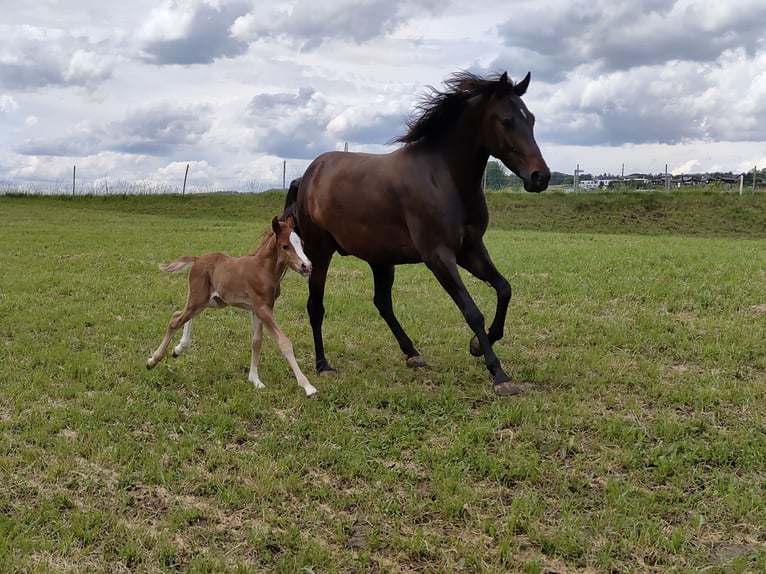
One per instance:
(183, 190)
(755, 171)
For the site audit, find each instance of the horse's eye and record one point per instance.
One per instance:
(285, 247)
(508, 123)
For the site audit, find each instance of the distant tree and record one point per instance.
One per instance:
(559, 178)
(497, 178)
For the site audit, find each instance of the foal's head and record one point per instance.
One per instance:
(290, 246)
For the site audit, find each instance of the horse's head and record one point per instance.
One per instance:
(509, 134)
(290, 246)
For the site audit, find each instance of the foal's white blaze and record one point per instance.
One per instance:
(296, 243)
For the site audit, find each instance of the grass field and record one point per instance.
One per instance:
(638, 323)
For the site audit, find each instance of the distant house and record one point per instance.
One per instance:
(589, 184)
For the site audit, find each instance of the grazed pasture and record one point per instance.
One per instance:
(639, 445)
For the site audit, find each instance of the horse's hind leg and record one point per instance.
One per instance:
(383, 276)
(479, 264)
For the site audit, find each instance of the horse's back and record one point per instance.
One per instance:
(360, 200)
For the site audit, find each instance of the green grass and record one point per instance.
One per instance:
(639, 445)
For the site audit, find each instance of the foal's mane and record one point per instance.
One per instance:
(263, 240)
(438, 109)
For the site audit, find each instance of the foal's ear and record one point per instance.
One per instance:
(275, 225)
(290, 221)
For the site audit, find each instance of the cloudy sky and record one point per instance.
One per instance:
(135, 91)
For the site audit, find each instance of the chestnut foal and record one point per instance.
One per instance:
(250, 282)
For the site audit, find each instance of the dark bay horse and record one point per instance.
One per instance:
(424, 203)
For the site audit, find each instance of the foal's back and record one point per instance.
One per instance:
(233, 281)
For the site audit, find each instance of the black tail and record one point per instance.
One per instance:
(290, 203)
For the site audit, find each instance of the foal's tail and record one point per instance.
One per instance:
(179, 264)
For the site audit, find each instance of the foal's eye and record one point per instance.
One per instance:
(285, 247)
(507, 123)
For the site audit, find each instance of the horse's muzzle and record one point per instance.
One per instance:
(538, 181)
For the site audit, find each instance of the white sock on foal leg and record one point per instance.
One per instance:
(185, 339)
(257, 342)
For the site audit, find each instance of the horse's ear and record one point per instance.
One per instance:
(521, 88)
(275, 225)
(290, 221)
(504, 86)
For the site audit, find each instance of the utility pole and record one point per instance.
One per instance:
(576, 183)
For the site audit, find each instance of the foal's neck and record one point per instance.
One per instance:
(267, 257)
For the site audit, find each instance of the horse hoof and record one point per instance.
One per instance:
(416, 362)
(506, 389)
(327, 371)
(475, 347)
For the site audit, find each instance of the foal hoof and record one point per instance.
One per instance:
(506, 389)
(416, 362)
(475, 347)
(326, 371)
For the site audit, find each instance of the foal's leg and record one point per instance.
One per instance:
(477, 262)
(178, 319)
(185, 339)
(444, 267)
(266, 315)
(383, 276)
(196, 301)
(257, 342)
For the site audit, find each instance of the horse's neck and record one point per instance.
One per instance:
(464, 153)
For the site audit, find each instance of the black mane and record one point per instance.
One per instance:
(439, 109)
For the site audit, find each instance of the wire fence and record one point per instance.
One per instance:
(495, 179)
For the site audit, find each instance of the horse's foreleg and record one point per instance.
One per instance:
(257, 342)
(315, 308)
(383, 276)
(266, 316)
(444, 267)
(479, 264)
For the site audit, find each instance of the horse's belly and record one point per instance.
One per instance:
(373, 251)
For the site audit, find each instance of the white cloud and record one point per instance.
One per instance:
(236, 87)
(8, 104)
